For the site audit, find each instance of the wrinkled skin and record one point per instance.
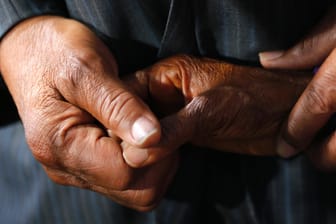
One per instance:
(227, 107)
(318, 102)
(65, 84)
(79, 116)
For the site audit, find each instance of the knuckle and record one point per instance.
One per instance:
(180, 61)
(57, 176)
(305, 46)
(207, 110)
(319, 100)
(122, 184)
(48, 141)
(198, 105)
(67, 179)
(170, 71)
(185, 67)
(118, 107)
(145, 208)
(290, 137)
(40, 148)
(70, 76)
(179, 66)
(323, 155)
(146, 201)
(57, 179)
(77, 72)
(150, 203)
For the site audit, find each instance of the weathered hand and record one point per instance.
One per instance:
(64, 82)
(227, 107)
(318, 102)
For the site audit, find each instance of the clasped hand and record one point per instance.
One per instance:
(214, 104)
(88, 128)
(65, 84)
(316, 106)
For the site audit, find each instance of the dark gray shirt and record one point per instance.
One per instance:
(242, 189)
(141, 31)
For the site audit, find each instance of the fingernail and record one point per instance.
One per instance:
(135, 157)
(285, 150)
(143, 129)
(270, 55)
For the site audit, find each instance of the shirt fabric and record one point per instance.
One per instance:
(210, 187)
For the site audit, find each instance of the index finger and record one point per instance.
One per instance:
(312, 111)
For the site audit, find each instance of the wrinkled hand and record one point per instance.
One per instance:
(318, 102)
(65, 85)
(227, 107)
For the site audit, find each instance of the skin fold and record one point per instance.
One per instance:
(216, 104)
(317, 104)
(64, 81)
(79, 116)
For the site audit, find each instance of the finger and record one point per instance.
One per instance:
(309, 52)
(177, 129)
(144, 193)
(87, 158)
(63, 178)
(160, 84)
(323, 155)
(95, 158)
(148, 186)
(138, 83)
(311, 112)
(113, 105)
(173, 82)
(72, 143)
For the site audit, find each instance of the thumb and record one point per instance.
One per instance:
(177, 129)
(115, 107)
(309, 52)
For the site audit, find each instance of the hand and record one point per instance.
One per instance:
(318, 102)
(227, 107)
(64, 82)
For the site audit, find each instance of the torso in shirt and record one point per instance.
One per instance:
(140, 32)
